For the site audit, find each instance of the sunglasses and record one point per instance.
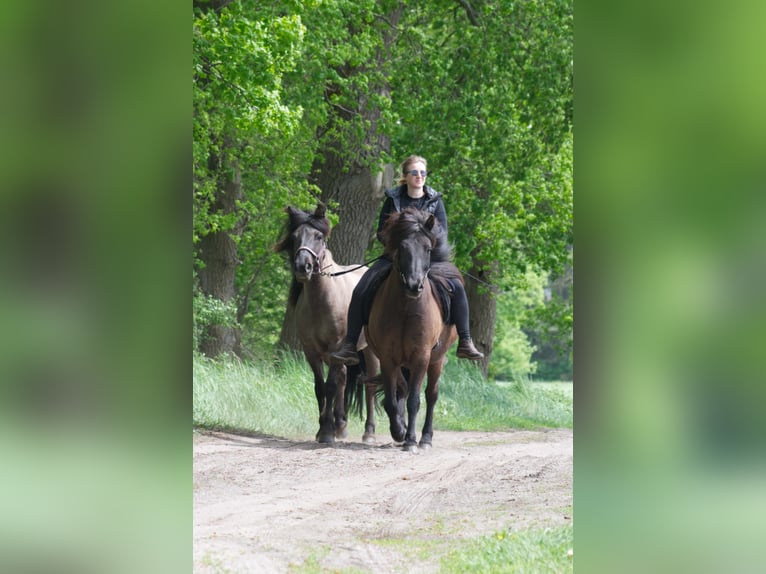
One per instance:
(416, 172)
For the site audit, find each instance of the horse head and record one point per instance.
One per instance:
(306, 241)
(410, 240)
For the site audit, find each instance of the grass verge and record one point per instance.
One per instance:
(546, 550)
(278, 398)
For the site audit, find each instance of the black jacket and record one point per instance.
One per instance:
(397, 200)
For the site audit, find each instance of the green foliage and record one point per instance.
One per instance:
(489, 104)
(550, 327)
(341, 81)
(534, 332)
(239, 118)
(511, 356)
(486, 94)
(242, 122)
(208, 311)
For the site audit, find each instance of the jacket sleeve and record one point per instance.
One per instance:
(385, 211)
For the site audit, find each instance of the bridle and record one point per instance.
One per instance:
(316, 256)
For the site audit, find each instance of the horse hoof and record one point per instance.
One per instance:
(325, 438)
(341, 433)
(425, 445)
(368, 438)
(411, 447)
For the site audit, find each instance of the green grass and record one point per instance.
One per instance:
(278, 398)
(546, 550)
(468, 402)
(271, 398)
(532, 551)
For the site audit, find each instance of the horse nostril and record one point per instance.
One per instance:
(307, 267)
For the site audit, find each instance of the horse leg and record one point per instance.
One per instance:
(372, 367)
(338, 375)
(413, 406)
(402, 391)
(369, 423)
(326, 432)
(432, 395)
(318, 371)
(392, 404)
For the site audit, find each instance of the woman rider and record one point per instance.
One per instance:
(411, 192)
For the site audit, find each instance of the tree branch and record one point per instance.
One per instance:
(470, 12)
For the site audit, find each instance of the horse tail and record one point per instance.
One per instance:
(354, 398)
(402, 385)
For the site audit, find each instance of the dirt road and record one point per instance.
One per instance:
(271, 505)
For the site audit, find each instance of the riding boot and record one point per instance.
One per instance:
(347, 354)
(466, 350)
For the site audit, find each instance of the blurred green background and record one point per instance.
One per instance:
(669, 179)
(95, 212)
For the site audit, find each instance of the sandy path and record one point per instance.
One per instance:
(266, 504)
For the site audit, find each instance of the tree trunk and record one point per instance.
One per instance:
(218, 252)
(345, 170)
(482, 303)
(359, 193)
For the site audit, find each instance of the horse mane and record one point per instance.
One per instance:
(410, 221)
(295, 218)
(298, 217)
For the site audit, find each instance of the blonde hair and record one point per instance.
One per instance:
(407, 164)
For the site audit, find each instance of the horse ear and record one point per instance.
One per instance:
(430, 222)
(320, 210)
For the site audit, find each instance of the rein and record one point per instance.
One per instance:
(350, 270)
(317, 258)
(487, 283)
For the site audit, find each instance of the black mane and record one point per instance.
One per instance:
(298, 217)
(411, 221)
(443, 271)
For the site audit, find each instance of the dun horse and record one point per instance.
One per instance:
(320, 294)
(406, 329)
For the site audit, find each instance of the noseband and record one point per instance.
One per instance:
(316, 256)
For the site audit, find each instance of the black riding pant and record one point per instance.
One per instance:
(358, 311)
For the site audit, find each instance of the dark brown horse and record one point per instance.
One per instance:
(320, 294)
(406, 328)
